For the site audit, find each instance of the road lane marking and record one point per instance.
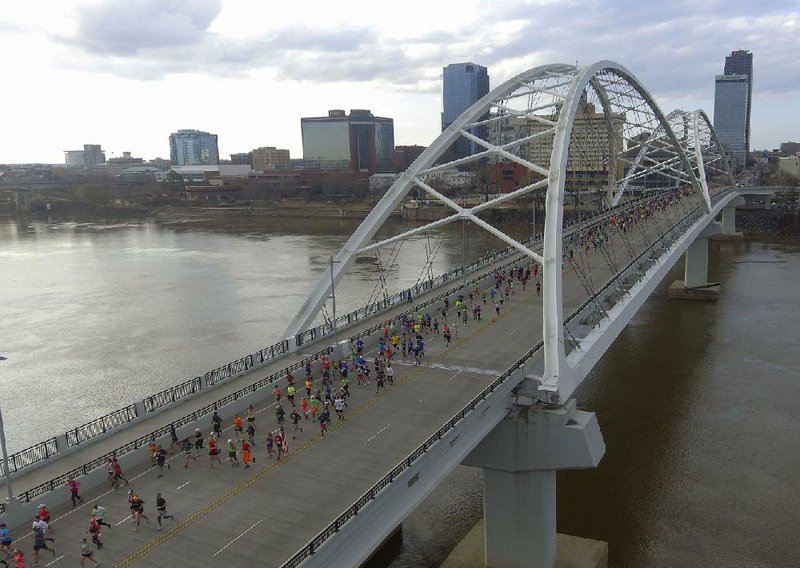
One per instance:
(237, 538)
(375, 435)
(56, 560)
(454, 376)
(183, 484)
(126, 519)
(510, 334)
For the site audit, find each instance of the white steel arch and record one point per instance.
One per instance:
(531, 120)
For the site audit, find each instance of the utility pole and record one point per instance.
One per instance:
(6, 469)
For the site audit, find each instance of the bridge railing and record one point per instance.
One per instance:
(101, 425)
(28, 456)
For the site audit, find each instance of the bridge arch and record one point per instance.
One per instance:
(544, 121)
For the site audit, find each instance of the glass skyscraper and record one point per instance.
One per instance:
(463, 84)
(740, 62)
(730, 116)
(193, 148)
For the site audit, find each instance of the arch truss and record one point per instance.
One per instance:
(568, 128)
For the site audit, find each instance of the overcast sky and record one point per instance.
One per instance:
(126, 74)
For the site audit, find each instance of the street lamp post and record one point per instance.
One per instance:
(333, 299)
(6, 470)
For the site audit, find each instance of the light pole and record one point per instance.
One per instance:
(6, 470)
(333, 298)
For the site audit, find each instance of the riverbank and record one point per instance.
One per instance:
(748, 221)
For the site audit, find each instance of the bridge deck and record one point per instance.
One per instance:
(266, 513)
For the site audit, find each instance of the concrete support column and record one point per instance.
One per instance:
(534, 524)
(729, 220)
(520, 458)
(23, 202)
(695, 284)
(695, 273)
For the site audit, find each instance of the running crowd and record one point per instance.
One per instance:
(303, 401)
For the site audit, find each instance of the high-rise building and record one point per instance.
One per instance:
(463, 84)
(270, 158)
(193, 148)
(740, 62)
(91, 155)
(359, 141)
(730, 116)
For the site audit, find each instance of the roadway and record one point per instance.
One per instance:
(264, 514)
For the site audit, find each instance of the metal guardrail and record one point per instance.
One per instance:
(172, 394)
(101, 425)
(28, 456)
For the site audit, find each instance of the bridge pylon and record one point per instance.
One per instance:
(520, 458)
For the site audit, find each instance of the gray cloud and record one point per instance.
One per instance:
(132, 28)
(674, 47)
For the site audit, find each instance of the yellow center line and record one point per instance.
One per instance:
(241, 486)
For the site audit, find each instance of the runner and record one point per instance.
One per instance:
(290, 390)
(173, 437)
(251, 433)
(390, 373)
(269, 441)
(161, 507)
(117, 473)
(324, 418)
(237, 426)
(338, 405)
(94, 530)
(280, 439)
(379, 381)
(161, 459)
(216, 421)
(151, 451)
(73, 490)
(99, 513)
(246, 456)
(232, 454)
(198, 441)
(277, 393)
(295, 418)
(280, 413)
(5, 540)
(86, 552)
(309, 386)
(213, 451)
(187, 452)
(250, 414)
(304, 407)
(314, 406)
(39, 543)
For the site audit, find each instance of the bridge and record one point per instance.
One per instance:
(499, 397)
(23, 188)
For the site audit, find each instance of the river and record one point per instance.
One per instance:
(696, 401)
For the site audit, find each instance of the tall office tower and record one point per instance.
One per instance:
(730, 116)
(193, 148)
(740, 62)
(91, 155)
(359, 141)
(463, 84)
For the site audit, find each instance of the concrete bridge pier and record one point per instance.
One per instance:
(695, 284)
(728, 221)
(23, 201)
(520, 458)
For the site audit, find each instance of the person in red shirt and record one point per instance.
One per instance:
(213, 451)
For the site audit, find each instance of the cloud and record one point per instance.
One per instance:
(133, 28)
(675, 47)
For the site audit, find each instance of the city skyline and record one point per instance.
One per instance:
(249, 72)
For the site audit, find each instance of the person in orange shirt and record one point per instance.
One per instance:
(304, 407)
(309, 386)
(237, 425)
(246, 457)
